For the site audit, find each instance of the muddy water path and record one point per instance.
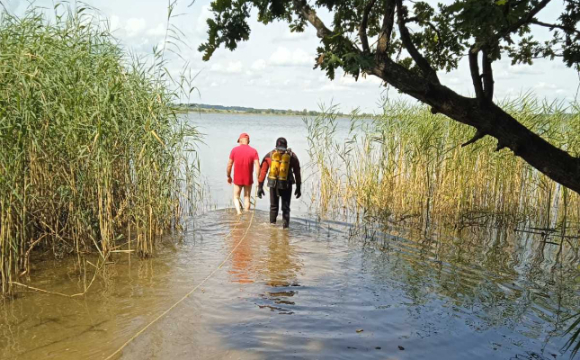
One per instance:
(320, 290)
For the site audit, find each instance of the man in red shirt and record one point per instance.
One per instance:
(244, 159)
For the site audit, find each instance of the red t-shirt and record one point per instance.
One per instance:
(244, 157)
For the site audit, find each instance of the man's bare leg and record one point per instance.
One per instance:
(247, 195)
(237, 193)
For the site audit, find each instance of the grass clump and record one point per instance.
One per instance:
(92, 152)
(409, 164)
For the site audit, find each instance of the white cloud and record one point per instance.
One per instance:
(349, 81)
(503, 75)
(135, 26)
(284, 57)
(216, 68)
(259, 65)
(454, 80)
(233, 67)
(544, 85)
(521, 69)
(201, 24)
(114, 23)
(159, 30)
(292, 36)
(334, 86)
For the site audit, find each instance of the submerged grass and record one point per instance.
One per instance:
(409, 164)
(92, 153)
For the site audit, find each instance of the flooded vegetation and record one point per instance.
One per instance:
(92, 153)
(409, 165)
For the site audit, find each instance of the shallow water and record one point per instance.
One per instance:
(320, 290)
(309, 292)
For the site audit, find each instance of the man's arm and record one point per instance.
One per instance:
(257, 167)
(265, 166)
(296, 169)
(297, 175)
(229, 170)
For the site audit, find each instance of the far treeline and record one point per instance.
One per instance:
(250, 110)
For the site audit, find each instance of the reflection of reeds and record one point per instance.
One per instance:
(408, 163)
(91, 149)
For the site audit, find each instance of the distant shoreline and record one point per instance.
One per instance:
(240, 112)
(219, 109)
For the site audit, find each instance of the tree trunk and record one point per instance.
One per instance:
(487, 118)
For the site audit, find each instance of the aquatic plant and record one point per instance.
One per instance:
(92, 152)
(409, 163)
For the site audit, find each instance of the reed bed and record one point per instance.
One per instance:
(92, 152)
(408, 164)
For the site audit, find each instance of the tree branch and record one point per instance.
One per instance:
(478, 135)
(487, 75)
(555, 163)
(387, 27)
(514, 27)
(310, 15)
(475, 76)
(556, 26)
(362, 31)
(421, 62)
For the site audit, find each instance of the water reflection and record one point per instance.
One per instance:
(282, 263)
(262, 253)
(495, 279)
(241, 242)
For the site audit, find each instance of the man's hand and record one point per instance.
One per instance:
(261, 190)
(298, 193)
(229, 179)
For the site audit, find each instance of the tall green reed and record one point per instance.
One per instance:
(409, 164)
(92, 152)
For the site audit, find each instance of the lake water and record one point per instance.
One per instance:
(320, 290)
(221, 132)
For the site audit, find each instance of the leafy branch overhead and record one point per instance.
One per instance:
(443, 34)
(406, 43)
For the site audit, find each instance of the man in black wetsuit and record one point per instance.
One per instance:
(287, 168)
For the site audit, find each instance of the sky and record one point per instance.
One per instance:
(274, 69)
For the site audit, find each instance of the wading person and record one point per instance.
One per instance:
(284, 171)
(243, 159)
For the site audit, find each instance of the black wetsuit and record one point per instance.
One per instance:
(285, 194)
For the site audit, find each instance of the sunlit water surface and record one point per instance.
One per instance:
(320, 290)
